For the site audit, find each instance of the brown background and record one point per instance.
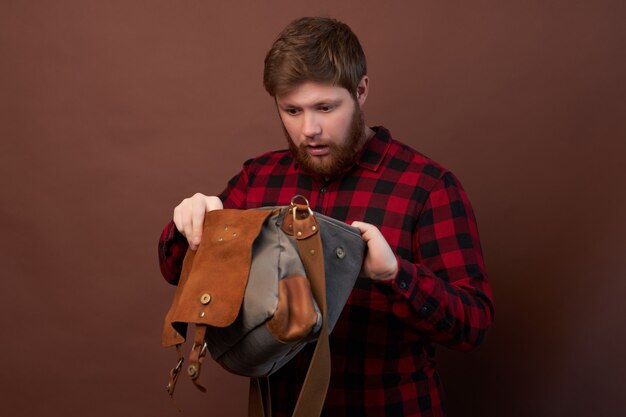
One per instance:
(111, 112)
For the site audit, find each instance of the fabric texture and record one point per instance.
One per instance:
(383, 345)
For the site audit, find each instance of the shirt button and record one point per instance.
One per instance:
(323, 190)
(425, 311)
(403, 285)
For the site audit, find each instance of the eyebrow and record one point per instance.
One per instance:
(322, 102)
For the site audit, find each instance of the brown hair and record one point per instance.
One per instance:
(314, 49)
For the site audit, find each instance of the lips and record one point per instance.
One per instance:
(320, 150)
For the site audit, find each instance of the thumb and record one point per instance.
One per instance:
(367, 230)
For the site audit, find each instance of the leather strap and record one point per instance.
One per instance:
(313, 393)
(175, 372)
(259, 403)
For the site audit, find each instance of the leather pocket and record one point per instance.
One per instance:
(295, 315)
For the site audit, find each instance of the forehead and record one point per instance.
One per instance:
(312, 93)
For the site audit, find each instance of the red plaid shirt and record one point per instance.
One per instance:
(383, 343)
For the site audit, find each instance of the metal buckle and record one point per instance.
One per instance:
(293, 205)
(295, 197)
(174, 372)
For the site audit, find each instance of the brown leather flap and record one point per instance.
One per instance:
(214, 278)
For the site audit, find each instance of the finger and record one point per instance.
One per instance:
(183, 219)
(198, 210)
(178, 220)
(213, 203)
(360, 225)
(368, 231)
(186, 220)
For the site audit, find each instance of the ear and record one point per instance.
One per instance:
(362, 90)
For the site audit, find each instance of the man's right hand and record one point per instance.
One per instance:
(189, 216)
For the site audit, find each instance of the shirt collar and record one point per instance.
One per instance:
(375, 149)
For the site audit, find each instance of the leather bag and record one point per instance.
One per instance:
(261, 285)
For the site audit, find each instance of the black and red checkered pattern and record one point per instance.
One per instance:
(383, 344)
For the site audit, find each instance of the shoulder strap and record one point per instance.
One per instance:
(313, 393)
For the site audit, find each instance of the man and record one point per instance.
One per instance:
(423, 279)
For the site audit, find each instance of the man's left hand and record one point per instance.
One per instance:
(380, 262)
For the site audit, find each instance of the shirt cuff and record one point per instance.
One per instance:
(407, 284)
(172, 250)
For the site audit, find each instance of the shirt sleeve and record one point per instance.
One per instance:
(172, 249)
(449, 297)
(234, 195)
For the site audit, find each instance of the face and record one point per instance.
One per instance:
(324, 126)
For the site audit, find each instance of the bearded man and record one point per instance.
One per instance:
(423, 279)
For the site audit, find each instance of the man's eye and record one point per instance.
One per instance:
(291, 112)
(325, 108)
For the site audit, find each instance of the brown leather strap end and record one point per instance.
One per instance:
(175, 372)
(196, 357)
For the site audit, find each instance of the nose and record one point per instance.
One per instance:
(311, 127)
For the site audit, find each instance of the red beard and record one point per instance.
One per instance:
(341, 157)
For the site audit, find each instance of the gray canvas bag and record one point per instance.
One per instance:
(262, 284)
